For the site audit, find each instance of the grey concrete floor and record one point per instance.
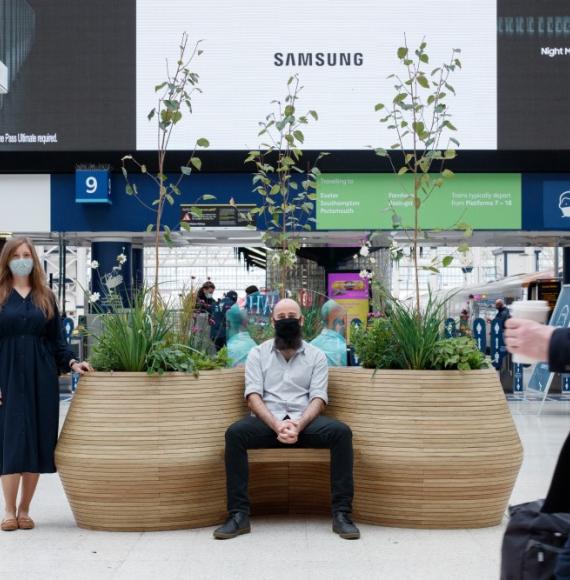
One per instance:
(279, 548)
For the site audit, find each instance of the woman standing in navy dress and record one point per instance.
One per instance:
(32, 352)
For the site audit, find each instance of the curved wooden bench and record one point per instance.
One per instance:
(433, 450)
(289, 481)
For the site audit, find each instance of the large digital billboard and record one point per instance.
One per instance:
(85, 72)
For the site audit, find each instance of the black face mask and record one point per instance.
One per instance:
(287, 333)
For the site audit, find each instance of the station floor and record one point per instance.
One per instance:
(279, 548)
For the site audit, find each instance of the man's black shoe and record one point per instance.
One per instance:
(344, 526)
(235, 525)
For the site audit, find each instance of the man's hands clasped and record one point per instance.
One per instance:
(287, 431)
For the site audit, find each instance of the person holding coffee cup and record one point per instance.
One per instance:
(521, 335)
(547, 343)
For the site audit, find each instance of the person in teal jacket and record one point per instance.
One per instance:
(330, 340)
(239, 340)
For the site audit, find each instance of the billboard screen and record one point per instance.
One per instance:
(81, 75)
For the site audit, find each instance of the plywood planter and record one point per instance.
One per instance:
(435, 449)
(141, 452)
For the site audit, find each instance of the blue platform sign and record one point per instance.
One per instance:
(92, 186)
(68, 326)
(542, 377)
(498, 349)
(556, 204)
(565, 384)
(518, 374)
(480, 334)
(450, 328)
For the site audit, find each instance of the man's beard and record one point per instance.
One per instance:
(289, 343)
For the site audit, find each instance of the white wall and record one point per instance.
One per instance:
(25, 205)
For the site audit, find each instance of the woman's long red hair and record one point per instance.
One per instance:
(42, 296)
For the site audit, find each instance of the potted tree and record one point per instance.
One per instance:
(286, 201)
(438, 445)
(141, 447)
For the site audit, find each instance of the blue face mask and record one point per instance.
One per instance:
(21, 267)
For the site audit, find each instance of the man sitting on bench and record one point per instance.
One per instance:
(286, 391)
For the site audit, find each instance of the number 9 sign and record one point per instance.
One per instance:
(92, 186)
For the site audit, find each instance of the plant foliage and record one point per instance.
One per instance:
(287, 202)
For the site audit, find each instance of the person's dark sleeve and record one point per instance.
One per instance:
(558, 498)
(58, 345)
(559, 351)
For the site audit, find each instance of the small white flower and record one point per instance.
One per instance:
(363, 274)
(94, 264)
(94, 297)
(355, 257)
(122, 259)
(372, 260)
(364, 251)
(113, 281)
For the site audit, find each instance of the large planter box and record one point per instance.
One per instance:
(432, 450)
(436, 449)
(141, 452)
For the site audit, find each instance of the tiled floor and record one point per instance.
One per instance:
(280, 548)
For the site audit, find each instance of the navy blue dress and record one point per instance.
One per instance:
(32, 350)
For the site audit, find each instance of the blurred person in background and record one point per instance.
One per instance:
(331, 340)
(239, 342)
(219, 328)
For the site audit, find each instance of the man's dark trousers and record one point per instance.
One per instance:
(322, 433)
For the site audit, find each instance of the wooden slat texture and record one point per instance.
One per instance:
(141, 452)
(432, 450)
(437, 449)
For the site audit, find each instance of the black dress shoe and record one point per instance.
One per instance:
(235, 525)
(344, 526)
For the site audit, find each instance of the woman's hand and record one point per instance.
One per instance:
(81, 368)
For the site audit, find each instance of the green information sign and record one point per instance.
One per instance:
(368, 201)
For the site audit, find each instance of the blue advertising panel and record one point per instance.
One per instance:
(556, 204)
(450, 328)
(480, 334)
(542, 377)
(498, 349)
(518, 374)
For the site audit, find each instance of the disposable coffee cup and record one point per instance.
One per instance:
(536, 310)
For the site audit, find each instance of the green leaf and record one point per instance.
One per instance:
(196, 162)
(203, 142)
(160, 86)
(149, 228)
(381, 152)
(129, 189)
(151, 114)
(424, 57)
(208, 196)
(403, 170)
(400, 97)
(378, 107)
(402, 52)
(447, 173)
(423, 82)
(447, 261)
(186, 170)
(418, 127)
(299, 136)
(314, 115)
